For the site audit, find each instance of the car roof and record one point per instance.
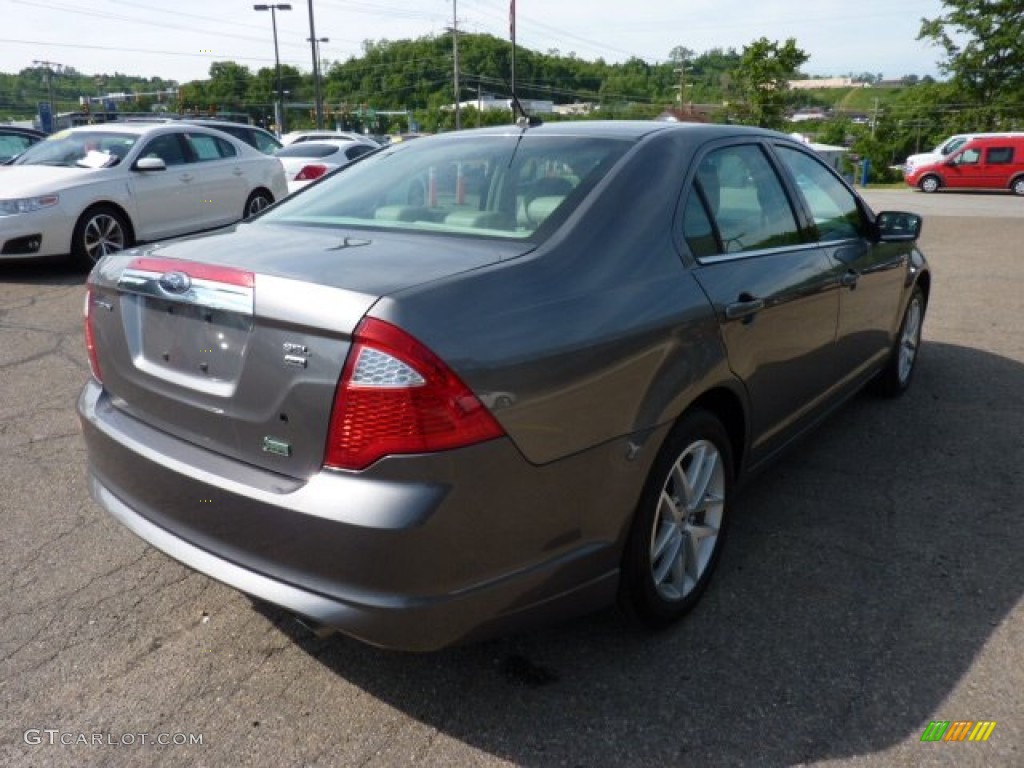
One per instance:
(119, 127)
(143, 129)
(21, 131)
(210, 122)
(625, 129)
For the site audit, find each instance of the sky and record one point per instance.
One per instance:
(179, 40)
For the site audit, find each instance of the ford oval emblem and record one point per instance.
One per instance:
(175, 282)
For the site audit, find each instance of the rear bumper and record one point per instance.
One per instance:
(488, 543)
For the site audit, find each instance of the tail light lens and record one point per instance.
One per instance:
(395, 396)
(90, 336)
(310, 172)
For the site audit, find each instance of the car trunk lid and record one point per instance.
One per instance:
(243, 360)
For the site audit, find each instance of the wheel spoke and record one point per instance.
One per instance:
(665, 533)
(703, 472)
(669, 510)
(669, 560)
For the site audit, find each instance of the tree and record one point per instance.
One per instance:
(228, 84)
(761, 81)
(981, 41)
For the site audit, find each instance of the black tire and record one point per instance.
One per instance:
(1017, 185)
(102, 229)
(930, 184)
(894, 379)
(673, 546)
(256, 202)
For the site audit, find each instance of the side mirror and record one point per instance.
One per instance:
(150, 164)
(898, 227)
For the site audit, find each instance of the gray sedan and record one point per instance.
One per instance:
(492, 377)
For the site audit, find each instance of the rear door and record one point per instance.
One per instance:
(773, 291)
(222, 178)
(1002, 162)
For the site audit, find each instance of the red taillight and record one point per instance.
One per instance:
(310, 172)
(90, 338)
(396, 396)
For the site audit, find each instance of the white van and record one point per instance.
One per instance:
(952, 144)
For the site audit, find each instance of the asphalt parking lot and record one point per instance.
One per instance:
(872, 584)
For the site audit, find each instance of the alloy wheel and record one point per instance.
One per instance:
(910, 339)
(688, 520)
(102, 234)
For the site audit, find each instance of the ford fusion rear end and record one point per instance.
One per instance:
(479, 380)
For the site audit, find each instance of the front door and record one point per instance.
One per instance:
(870, 274)
(167, 201)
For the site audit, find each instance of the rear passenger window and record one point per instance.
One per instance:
(999, 156)
(834, 208)
(697, 228)
(745, 201)
(210, 147)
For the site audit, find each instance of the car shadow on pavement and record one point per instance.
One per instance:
(50, 270)
(865, 573)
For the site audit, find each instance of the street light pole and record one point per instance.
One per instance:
(279, 103)
(316, 71)
(455, 60)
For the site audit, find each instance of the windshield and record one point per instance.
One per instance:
(73, 148)
(499, 185)
(951, 146)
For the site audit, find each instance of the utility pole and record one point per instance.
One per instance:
(681, 71)
(316, 71)
(455, 59)
(49, 66)
(319, 73)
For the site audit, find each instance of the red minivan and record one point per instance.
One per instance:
(982, 163)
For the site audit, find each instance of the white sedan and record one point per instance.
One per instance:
(307, 161)
(93, 190)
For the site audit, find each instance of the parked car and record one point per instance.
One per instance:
(981, 163)
(97, 189)
(946, 147)
(14, 140)
(295, 137)
(492, 377)
(307, 161)
(253, 135)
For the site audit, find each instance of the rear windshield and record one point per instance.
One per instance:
(495, 185)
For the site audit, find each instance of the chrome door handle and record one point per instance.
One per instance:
(238, 172)
(740, 309)
(186, 177)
